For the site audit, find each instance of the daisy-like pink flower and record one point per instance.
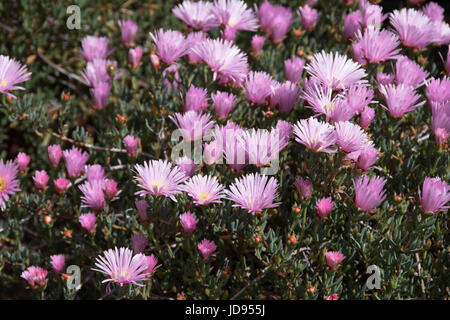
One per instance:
(253, 192)
(435, 195)
(409, 73)
(376, 45)
(22, 161)
(369, 193)
(135, 56)
(197, 15)
(142, 206)
(349, 136)
(294, 68)
(334, 258)
(58, 262)
(128, 31)
(188, 222)
(131, 144)
(304, 187)
(315, 135)
(433, 11)
(438, 90)
(413, 27)
(258, 86)
(223, 103)
(286, 96)
(206, 248)
(276, 20)
(186, 165)
(61, 185)
(139, 242)
(88, 221)
(324, 206)
(8, 181)
(36, 276)
(192, 125)
(93, 195)
(196, 99)
(94, 172)
(235, 15)
(399, 99)
(152, 262)
(441, 33)
(335, 70)
(203, 189)
(366, 118)
(96, 72)
(440, 122)
(359, 97)
(54, 154)
(372, 15)
(225, 59)
(368, 155)
(257, 44)
(170, 45)
(40, 180)
(308, 16)
(95, 47)
(159, 178)
(122, 267)
(193, 39)
(12, 73)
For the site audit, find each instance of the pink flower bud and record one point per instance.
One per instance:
(54, 154)
(111, 189)
(139, 242)
(58, 262)
(367, 116)
(294, 68)
(40, 180)
(128, 30)
(60, 185)
(189, 223)
(100, 93)
(324, 206)
(309, 17)
(22, 161)
(87, 221)
(304, 187)
(36, 276)
(223, 103)
(155, 61)
(334, 258)
(134, 56)
(257, 45)
(142, 206)
(206, 248)
(131, 144)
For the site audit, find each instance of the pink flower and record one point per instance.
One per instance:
(433, 11)
(257, 45)
(315, 135)
(22, 161)
(96, 72)
(440, 122)
(196, 99)
(128, 30)
(131, 144)
(95, 47)
(334, 296)
(171, 45)
(139, 242)
(359, 97)
(438, 90)
(40, 180)
(235, 14)
(159, 178)
(186, 165)
(349, 136)
(369, 193)
(334, 258)
(276, 20)
(409, 73)
(203, 189)
(367, 116)
(372, 15)
(54, 154)
(286, 96)
(253, 192)
(111, 191)
(36, 276)
(151, 264)
(352, 24)
(212, 152)
(223, 103)
(135, 56)
(304, 187)
(258, 87)
(192, 125)
(294, 68)
(384, 78)
(94, 172)
(324, 206)
(87, 221)
(61, 185)
(75, 161)
(12, 73)
(308, 16)
(435, 195)
(93, 196)
(189, 223)
(206, 248)
(284, 130)
(58, 262)
(193, 39)
(230, 136)
(100, 93)
(399, 99)
(142, 206)
(368, 155)
(196, 15)
(122, 267)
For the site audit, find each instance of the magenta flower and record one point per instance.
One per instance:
(230, 137)
(253, 193)
(206, 248)
(359, 97)
(159, 178)
(276, 20)
(284, 130)
(110, 190)
(294, 68)
(135, 56)
(433, 11)
(192, 125)
(186, 165)
(93, 195)
(94, 172)
(40, 180)
(61, 185)
(435, 195)
(58, 262)
(315, 135)
(258, 86)
(196, 15)
(139, 242)
(36, 276)
(196, 99)
(22, 161)
(308, 16)
(352, 24)
(8, 181)
(369, 193)
(413, 27)
(128, 30)
(12, 73)
(333, 296)
(409, 73)
(304, 187)
(335, 70)
(368, 155)
(131, 145)
(88, 221)
(170, 45)
(400, 99)
(367, 116)
(438, 90)
(440, 122)
(96, 72)
(120, 266)
(193, 39)
(372, 15)
(223, 103)
(224, 59)
(324, 206)
(441, 33)
(257, 45)
(212, 152)
(188, 222)
(95, 47)
(334, 258)
(100, 93)
(203, 189)
(235, 14)
(286, 96)
(152, 266)
(384, 78)
(142, 206)
(349, 136)
(54, 154)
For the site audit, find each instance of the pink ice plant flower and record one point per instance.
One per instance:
(94, 172)
(286, 96)
(203, 189)
(400, 99)
(435, 195)
(304, 187)
(235, 14)
(61, 185)
(257, 45)
(196, 14)
(128, 31)
(135, 56)
(324, 206)
(369, 193)
(159, 178)
(352, 24)
(438, 90)
(100, 93)
(152, 264)
(8, 181)
(11, 74)
(334, 258)
(366, 118)
(41, 180)
(359, 97)
(308, 16)
(131, 145)
(315, 135)
(193, 39)
(188, 222)
(35, 276)
(258, 86)
(349, 136)
(223, 103)
(409, 73)
(196, 99)
(440, 122)
(433, 11)
(276, 20)
(294, 68)
(186, 165)
(253, 192)
(93, 195)
(368, 155)
(284, 130)
(58, 262)
(22, 161)
(170, 45)
(212, 153)
(206, 248)
(192, 125)
(88, 221)
(95, 47)
(122, 267)
(54, 154)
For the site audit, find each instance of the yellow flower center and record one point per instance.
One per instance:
(3, 83)
(232, 22)
(329, 107)
(157, 184)
(203, 196)
(2, 184)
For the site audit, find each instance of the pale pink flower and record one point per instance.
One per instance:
(352, 24)
(435, 195)
(286, 96)
(235, 14)
(308, 16)
(196, 99)
(135, 56)
(40, 180)
(433, 11)
(366, 118)
(315, 135)
(409, 73)
(223, 103)
(400, 99)
(276, 20)
(294, 68)
(58, 262)
(438, 90)
(212, 152)
(197, 15)
(100, 93)
(203, 189)
(359, 97)
(440, 122)
(369, 193)
(257, 45)
(170, 45)
(384, 78)
(349, 136)
(22, 161)
(95, 47)
(94, 172)
(324, 206)
(12, 73)
(188, 222)
(128, 31)
(54, 154)
(193, 39)
(192, 125)
(8, 181)
(131, 145)
(152, 266)
(93, 196)
(258, 87)
(186, 165)
(375, 45)
(206, 248)
(111, 191)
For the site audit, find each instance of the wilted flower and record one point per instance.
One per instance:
(186, 165)
(206, 248)
(369, 193)
(257, 44)
(139, 242)
(196, 99)
(324, 206)
(304, 187)
(203, 189)
(40, 180)
(12, 73)
(36, 276)
(192, 125)
(258, 86)
(196, 15)
(54, 154)
(308, 16)
(435, 195)
(128, 30)
(58, 262)
(61, 185)
(93, 196)
(223, 103)
(171, 45)
(189, 223)
(315, 135)
(8, 181)
(22, 161)
(131, 144)
(409, 73)
(95, 47)
(334, 258)
(294, 68)
(87, 221)
(134, 56)
(400, 99)
(142, 206)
